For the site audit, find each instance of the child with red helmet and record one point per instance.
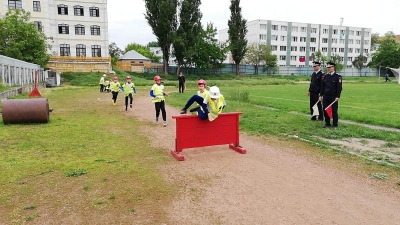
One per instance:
(158, 98)
(115, 88)
(129, 88)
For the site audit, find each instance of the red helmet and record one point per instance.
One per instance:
(128, 77)
(201, 81)
(156, 78)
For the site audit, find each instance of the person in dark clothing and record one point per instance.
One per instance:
(314, 90)
(387, 77)
(330, 93)
(182, 81)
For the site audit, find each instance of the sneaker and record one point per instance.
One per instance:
(130, 105)
(113, 102)
(164, 123)
(195, 109)
(126, 109)
(183, 111)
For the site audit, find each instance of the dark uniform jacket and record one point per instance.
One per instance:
(316, 82)
(331, 85)
(181, 79)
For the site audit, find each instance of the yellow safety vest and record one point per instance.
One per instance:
(158, 91)
(128, 90)
(203, 95)
(215, 109)
(102, 80)
(115, 86)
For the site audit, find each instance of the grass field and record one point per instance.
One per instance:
(81, 157)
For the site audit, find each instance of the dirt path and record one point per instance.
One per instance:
(265, 186)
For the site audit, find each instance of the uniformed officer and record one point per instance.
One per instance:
(315, 89)
(330, 92)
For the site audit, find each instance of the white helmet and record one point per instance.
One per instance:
(104, 75)
(214, 92)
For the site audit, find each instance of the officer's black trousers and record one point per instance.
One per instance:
(327, 100)
(313, 99)
(181, 87)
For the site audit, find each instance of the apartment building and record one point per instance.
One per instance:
(79, 28)
(294, 43)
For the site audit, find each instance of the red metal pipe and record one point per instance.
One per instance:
(25, 111)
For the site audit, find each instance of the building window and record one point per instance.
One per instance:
(295, 29)
(335, 31)
(63, 28)
(366, 42)
(357, 50)
(312, 49)
(293, 58)
(263, 37)
(294, 39)
(324, 49)
(314, 30)
(263, 26)
(38, 25)
(95, 30)
(350, 50)
(334, 40)
(274, 48)
(303, 29)
(358, 42)
(334, 49)
(283, 28)
(78, 10)
(274, 37)
(303, 39)
(14, 4)
(352, 32)
(94, 11)
(293, 49)
(351, 41)
(65, 50)
(62, 9)
(366, 33)
(36, 6)
(365, 50)
(324, 40)
(313, 40)
(350, 59)
(325, 31)
(96, 51)
(80, 29)
(341, 41)
(282, 57)
(282, 48)
(342, 32)
(302, 49)
(80, 50)
(341, 49)
(358, 33)
(283, 38)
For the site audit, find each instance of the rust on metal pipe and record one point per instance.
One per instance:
(25, 111)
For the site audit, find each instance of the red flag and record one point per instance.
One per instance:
(302, 58)
(329, 111)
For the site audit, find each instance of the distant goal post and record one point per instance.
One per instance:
(396, 73)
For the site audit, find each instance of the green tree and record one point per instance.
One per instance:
(161, 15)
(260, 54)
(187, 35)
(359, 62)
(237, 33)
(144, 51)
(319, 57)
(337, 59)
(374, 40)
(153, 44)
(20, 39)
(388, 53)
(114, 50)
(210, 54)
(270, 60)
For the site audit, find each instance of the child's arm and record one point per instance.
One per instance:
(134, 90)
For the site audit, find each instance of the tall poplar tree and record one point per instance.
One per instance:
(162, 18)
(237, 33)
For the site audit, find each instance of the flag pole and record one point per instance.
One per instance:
(330, 104)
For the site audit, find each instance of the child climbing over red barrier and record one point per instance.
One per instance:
(210, 106)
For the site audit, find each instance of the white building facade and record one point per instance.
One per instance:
(78, 28)
(294, 43)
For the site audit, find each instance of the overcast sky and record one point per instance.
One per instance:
(127, 23)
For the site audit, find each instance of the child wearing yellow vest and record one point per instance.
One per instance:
(158, 98)
(129, 88)
(211, 105)
(115, 88)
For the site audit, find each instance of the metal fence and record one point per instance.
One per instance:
(14, 72)
(250, 69)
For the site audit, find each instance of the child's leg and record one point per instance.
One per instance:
(130, 98)
(126, 102)
(194, 98)
(114, 96)
(158, 107)
(164, 113)
(201, 114)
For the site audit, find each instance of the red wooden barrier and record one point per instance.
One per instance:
(192, 132)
